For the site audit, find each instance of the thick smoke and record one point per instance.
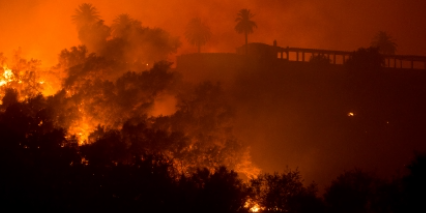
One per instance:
(126, 40)
(329, 24)
(111, 95)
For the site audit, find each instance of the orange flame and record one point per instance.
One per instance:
(7, 76)
(252, 206)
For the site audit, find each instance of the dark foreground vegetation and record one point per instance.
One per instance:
(124, 170)
(40, 172)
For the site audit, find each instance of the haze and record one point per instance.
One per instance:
(41, 28)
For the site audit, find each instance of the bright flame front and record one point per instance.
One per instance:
(252, 206)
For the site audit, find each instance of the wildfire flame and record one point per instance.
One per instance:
(255, 208)
(82, 117)
(252, 206)
(81, 130)
(7, 76)
(85, 92)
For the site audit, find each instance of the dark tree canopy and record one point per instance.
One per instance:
(351, 192)
(124, 27)
(245, 24)
(285, 192)
(385, 43)
(197, 33)
(92, 31)
(85, 14)
(365, 59)
(415, 185)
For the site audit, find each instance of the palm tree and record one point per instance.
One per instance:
(197, 33)
(124, 26)
(384, 43)
(92, 30)
(244, 23)
(85, 14)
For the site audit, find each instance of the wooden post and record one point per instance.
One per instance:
(288, 54)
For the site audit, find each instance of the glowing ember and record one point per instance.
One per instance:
(255, 208)
(252, 206)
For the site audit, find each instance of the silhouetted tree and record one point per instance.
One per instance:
(244, 23)
(385, 43)
(415, 185)
(10, 98)
(285, 193)
(389, 197)
(365, 60)
(94, 36)
(85, 14)
(197, 33)
(218, 191)
(364, 76)
(351, 192)
(67, 59)
(124, 27)
(92, 31)
(212, 141)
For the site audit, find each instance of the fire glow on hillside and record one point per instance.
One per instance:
(106, 87)
(115, 97)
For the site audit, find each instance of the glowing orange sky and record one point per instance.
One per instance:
(43, 27)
